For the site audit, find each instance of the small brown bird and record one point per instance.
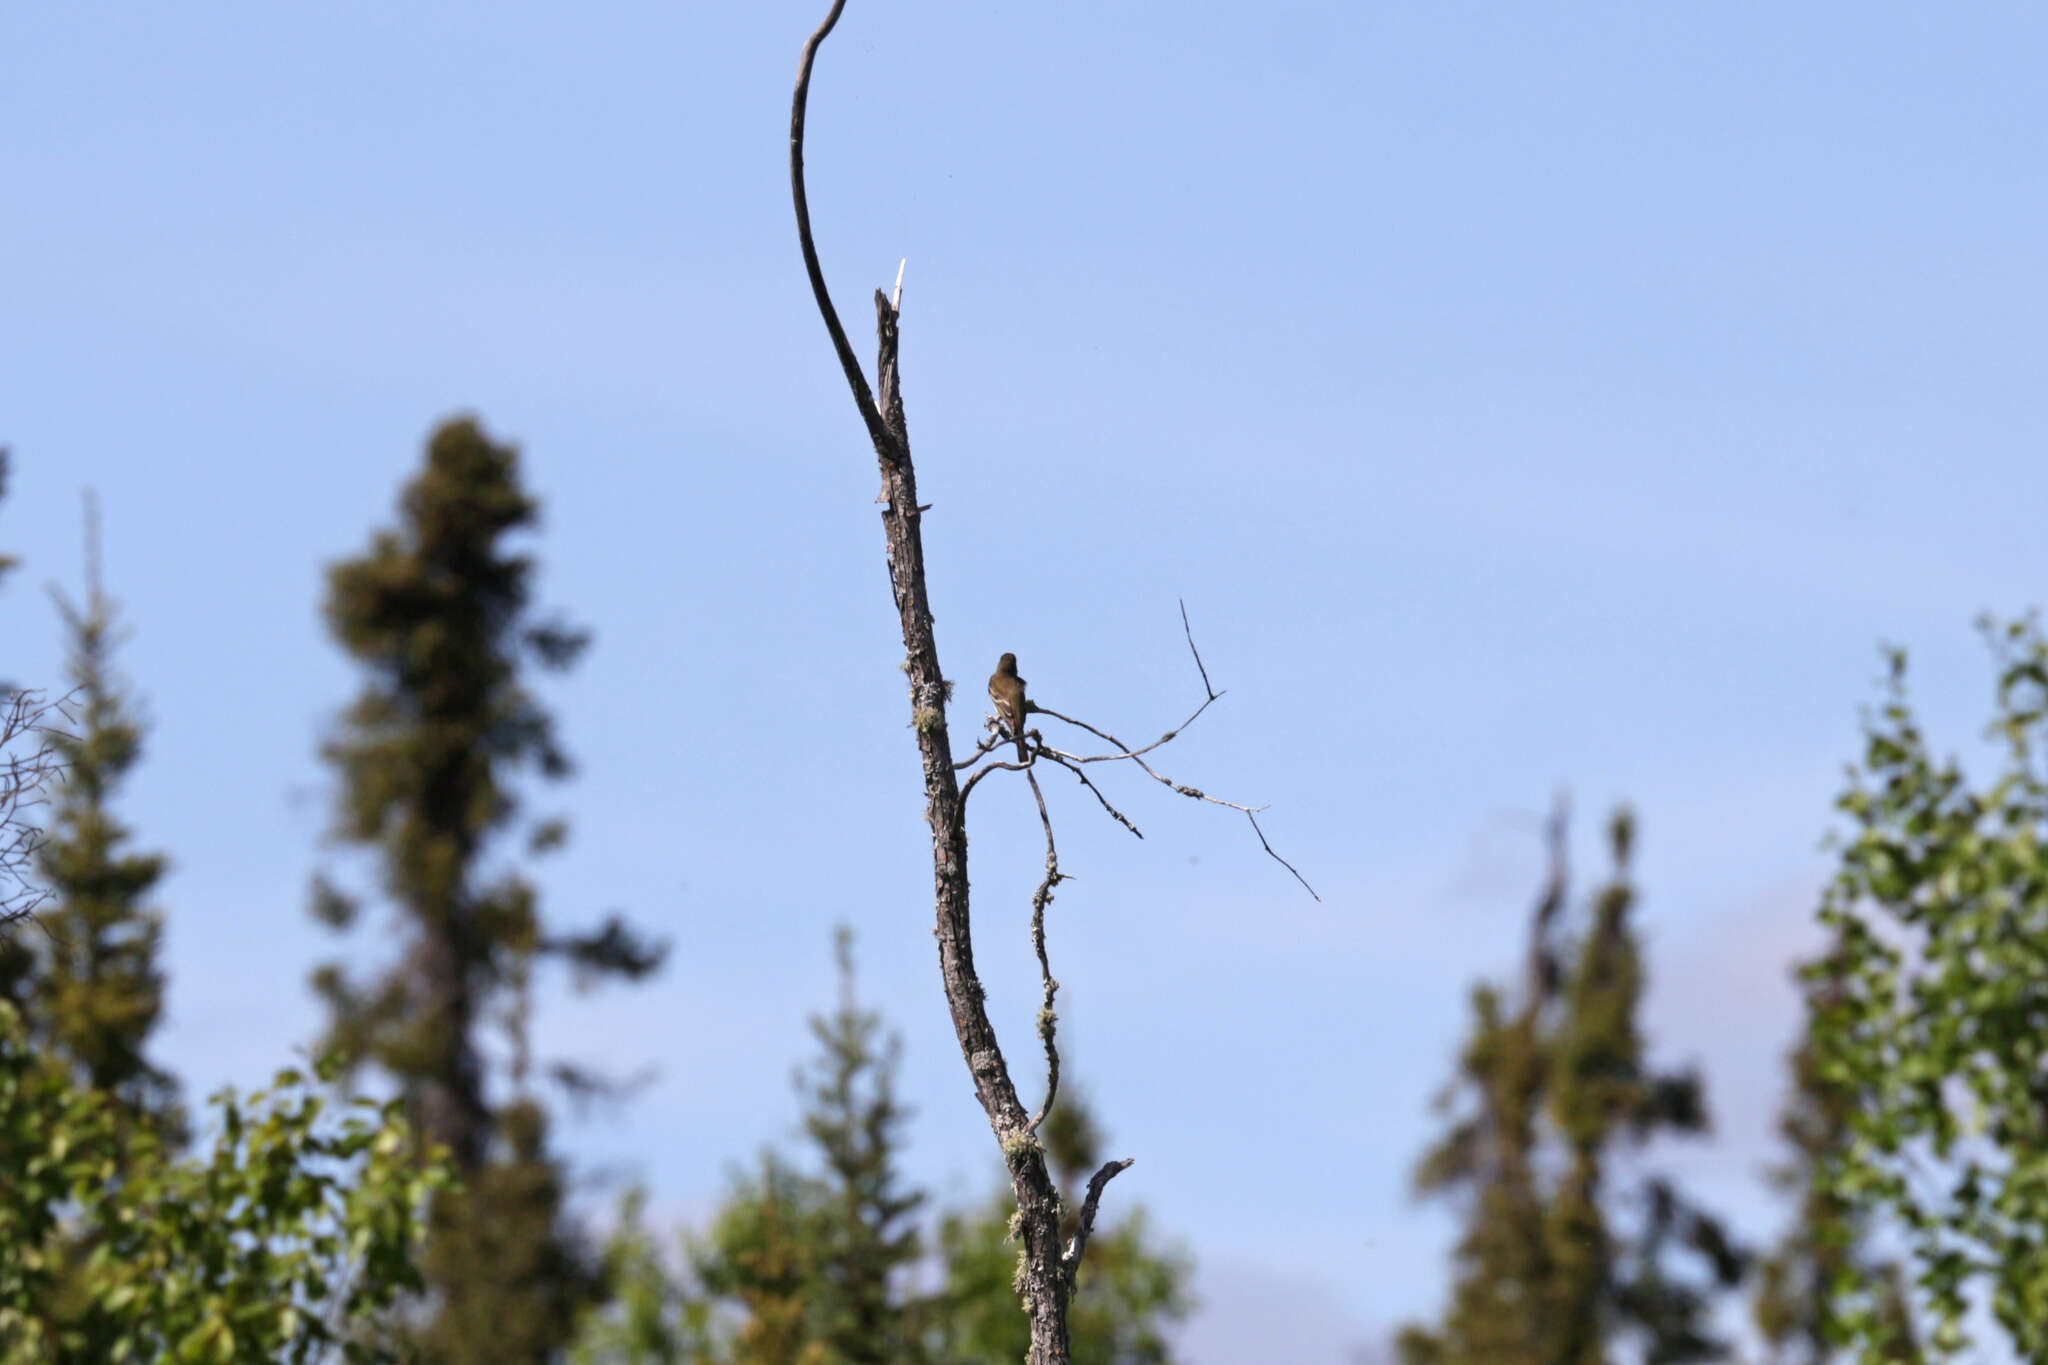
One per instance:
(1006, 690)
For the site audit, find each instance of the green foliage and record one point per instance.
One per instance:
(285, 1241)
(1553, 1090)
(1827, 1239)
(437, 614)
(1935, 1029)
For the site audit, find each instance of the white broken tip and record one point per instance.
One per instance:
(897, 301)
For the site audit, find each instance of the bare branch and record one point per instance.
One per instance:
(1125, 753)
(998, 765)
(1136, 756)
(988, 743)
(1048, 1022)
(1126, 750)
(1070, 1260)
(1278, 859)
(1115, 814)
(1189, 631)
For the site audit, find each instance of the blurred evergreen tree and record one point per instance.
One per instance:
(818, 1265)
(650, 1316)
(437, 613)
(1553, 1086)
(89, 983)
(853, 1119)
(762, 1264)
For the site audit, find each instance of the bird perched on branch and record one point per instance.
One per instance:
(1006, 690)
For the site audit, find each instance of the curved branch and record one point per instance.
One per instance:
(987, 745)
(863, 397)
(1070, 1260)
(984, 772)
(1125, 750)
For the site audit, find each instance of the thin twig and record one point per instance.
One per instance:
(988, 742)
(1277, 858)
(1125, 750)
(1194, 793)
(1057, 757)
(1074, 763)
(997, 766)
(1190, 632)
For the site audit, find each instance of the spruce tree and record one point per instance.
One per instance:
(853, 1118)
(764, 1262)
(1552, 1090)
(430, 755)
(93, 987)
(817, 1262)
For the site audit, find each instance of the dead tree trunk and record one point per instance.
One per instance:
(1045, 1279)
(1046, 1276)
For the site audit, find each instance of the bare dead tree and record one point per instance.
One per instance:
(29, 763)
(1046, 1269)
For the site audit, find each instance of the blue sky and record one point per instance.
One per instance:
(1518, 396)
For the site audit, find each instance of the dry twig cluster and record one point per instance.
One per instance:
(29, 764)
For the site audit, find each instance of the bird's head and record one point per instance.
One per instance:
(1007, 665)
